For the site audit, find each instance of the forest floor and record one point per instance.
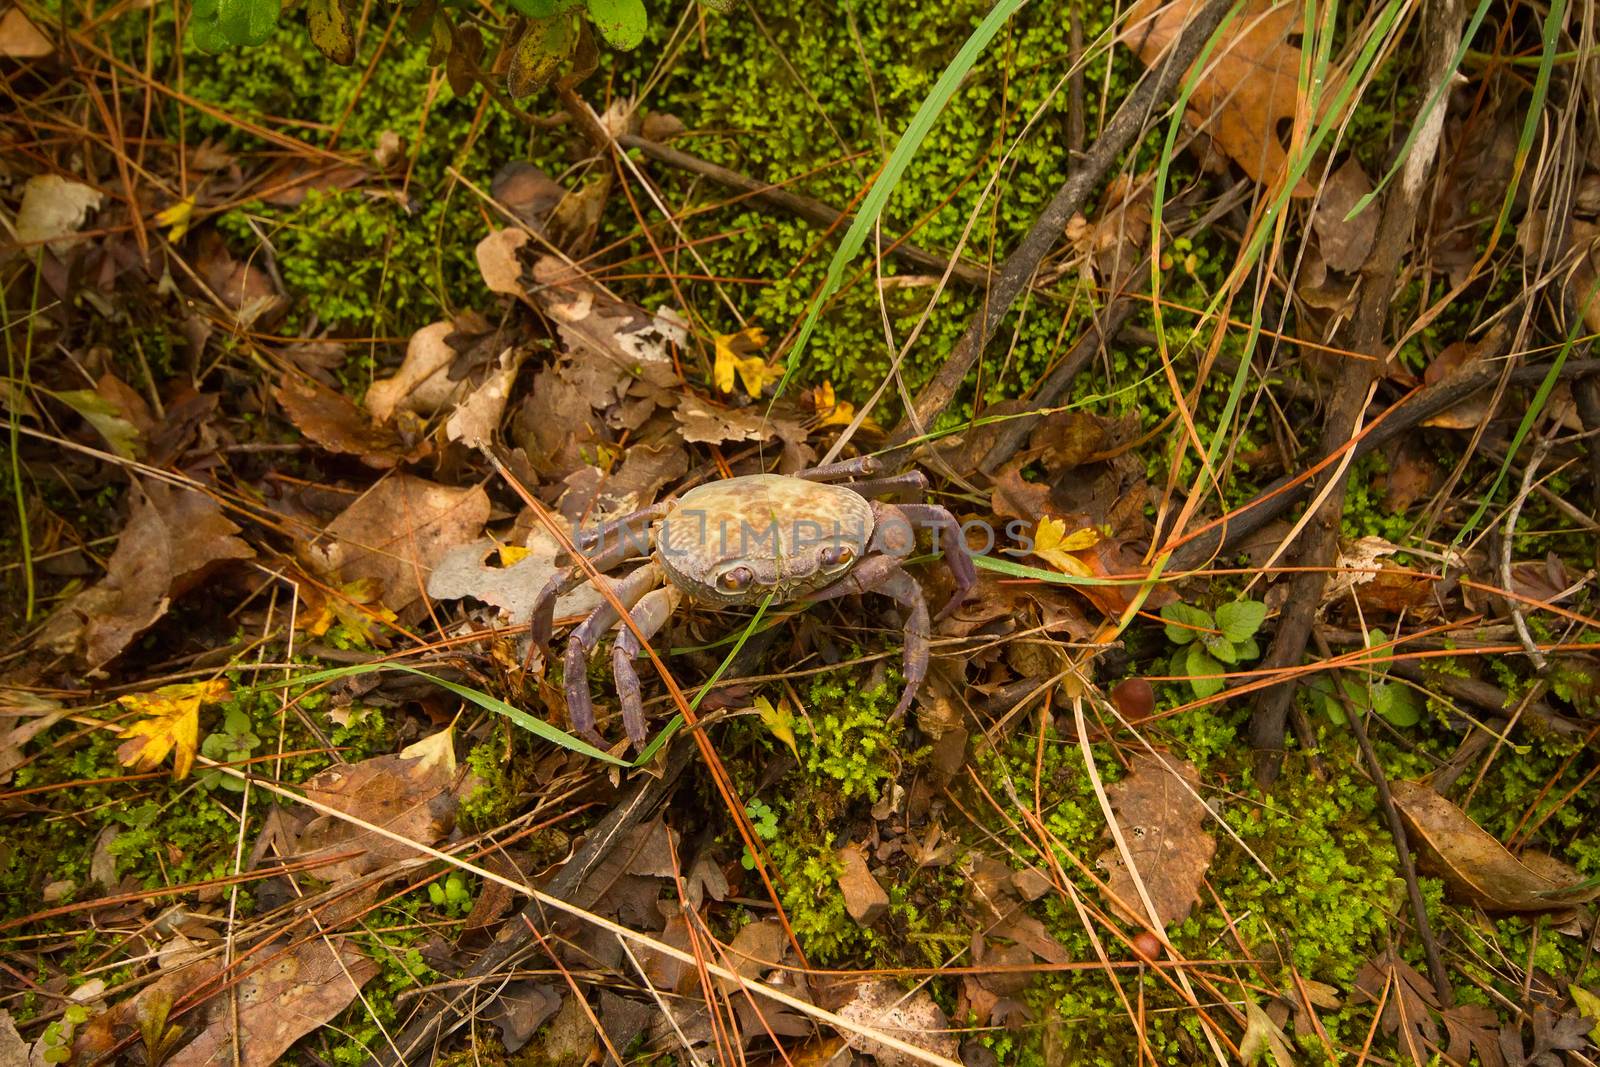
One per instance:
(1261, 392)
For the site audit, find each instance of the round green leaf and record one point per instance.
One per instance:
(1205, 673)
(1241, 619)
(621, 22)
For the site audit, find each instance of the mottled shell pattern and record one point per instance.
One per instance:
(733, 542)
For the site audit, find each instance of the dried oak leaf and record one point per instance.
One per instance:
(1476, 866)
(1552, 1034)
(477, 416)
(1251, 82)
(703, 423)
(1164, 826)
(397, 531)
(53, 210)
(287, 991)
(332, 422)
(1473, 1026)
(1344, 243)
(414, 793)
(173, 538)
(467, 571)
(1409, 1005)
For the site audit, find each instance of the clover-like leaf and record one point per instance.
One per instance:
(1205, 673)
(328, 23)
(539, 54)
(621, 22)
(1240, 619)
(1398, 703)
(1185, 623)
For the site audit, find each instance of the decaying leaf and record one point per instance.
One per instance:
(1408, 1007)
(711, 425)
(169, 722)
(1476, 866)
(414, 793)
(1463, 357)
(173, 537)
(470, 570)
(1262, 1034)
(1345, 242)
(1472, 1027)
(397, 531)
(53, 209)
(864, 897)
(1164, 826)
(286, 991)
(1056, 546)
(20, 38)
(330, 420)
(1251, 84)
(912, 1017)
(422, 384)
(331, 31)
(476, 418)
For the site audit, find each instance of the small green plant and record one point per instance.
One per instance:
(764, 821)
(1397, 702)
(453, 896)
(56, 1044)
(1208, 643)
(234, 743)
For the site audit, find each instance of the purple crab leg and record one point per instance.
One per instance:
(954, 546)
(650, 614)
(883, 574)
(850, 468)
(580, 702)
(617, 541)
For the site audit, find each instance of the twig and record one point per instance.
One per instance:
(1586, 391)
(813, 211)
(1400, 418)
(1442, 29)
(1541, 449)
(1121, 132)
(1397, 830)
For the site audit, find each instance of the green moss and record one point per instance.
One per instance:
(845, 737)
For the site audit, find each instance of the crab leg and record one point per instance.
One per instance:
(580, 702)
(954, 546)
(883, 574)
(649, 615)
(617, 541)
(850, 468)
(911, 483)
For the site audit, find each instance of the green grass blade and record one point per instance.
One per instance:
(877, 198)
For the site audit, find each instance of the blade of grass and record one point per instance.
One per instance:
(877, 198)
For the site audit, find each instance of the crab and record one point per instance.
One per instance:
(799, 538)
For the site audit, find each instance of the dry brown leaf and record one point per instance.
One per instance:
(476, 418)
(705, 424)
(53, 209)
(1408, 1007)
(1473, 1026)
(422, 384)
(1476, 866)
(414, 793)
(1262, 1034)
(287, 992)
(864, 898)
(1252, 80)
(1462, 357)
(912, 1017)
(332, 422)
(244, 287)
(396, 532)
(758, 947)
(20, 38)
(500, 264)
(1164, 826)
(527, 192)
(173, 538)
(1345, 242)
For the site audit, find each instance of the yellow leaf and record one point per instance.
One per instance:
(355, 605)
(178, 216)
(511, 555)
(170, 723)
(835, 412)
(1053, 544)
(754, 371)
(779, 720)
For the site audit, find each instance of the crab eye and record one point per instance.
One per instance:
(838, 556)
(736, 580)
